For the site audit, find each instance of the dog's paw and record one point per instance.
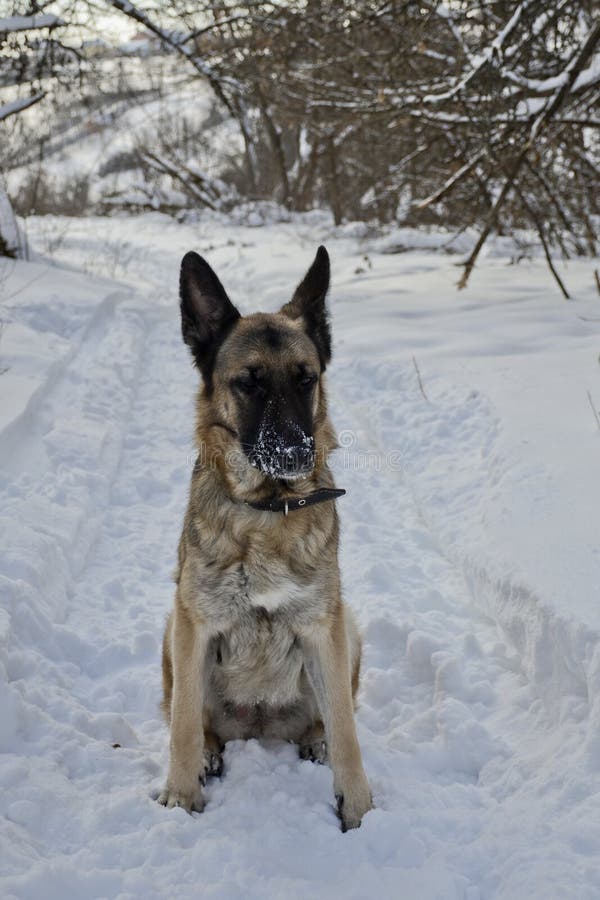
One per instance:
(315, 751)
(213, 765)
(353, 803)
(189, 799)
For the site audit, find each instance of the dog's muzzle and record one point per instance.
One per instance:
(278, 459)
(295, 460)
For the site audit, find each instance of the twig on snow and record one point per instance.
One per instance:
(594, 410)
(420, 380)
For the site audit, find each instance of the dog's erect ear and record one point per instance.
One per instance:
(207, 313)
(308, 304)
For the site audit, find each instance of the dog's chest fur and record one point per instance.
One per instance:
(258, 609)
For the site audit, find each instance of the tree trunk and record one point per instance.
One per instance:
(332, 182)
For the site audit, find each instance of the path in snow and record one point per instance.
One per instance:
(479, 793)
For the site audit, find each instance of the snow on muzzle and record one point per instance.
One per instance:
(289, 453)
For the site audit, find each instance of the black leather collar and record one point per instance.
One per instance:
(289, 504)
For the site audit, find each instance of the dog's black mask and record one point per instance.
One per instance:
(276, 420)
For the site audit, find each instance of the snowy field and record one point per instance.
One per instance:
(470, 554)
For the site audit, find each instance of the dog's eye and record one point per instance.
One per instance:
(307, 381)
(247, 384)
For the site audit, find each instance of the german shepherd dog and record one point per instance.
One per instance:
(259, 643)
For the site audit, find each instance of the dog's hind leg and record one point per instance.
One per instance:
(354, 650)
(313, 745)
(213, 754)
(167, 670)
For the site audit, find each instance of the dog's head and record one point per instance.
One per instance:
(262, 373)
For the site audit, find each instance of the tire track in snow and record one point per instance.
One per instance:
(15, 439)
(56, 496)
(101, 665)
(473, 712)
(414, 606)
(560, 659)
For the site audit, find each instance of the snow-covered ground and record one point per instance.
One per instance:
(470, 554)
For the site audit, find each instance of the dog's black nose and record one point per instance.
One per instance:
(285, 453)
(297, 459)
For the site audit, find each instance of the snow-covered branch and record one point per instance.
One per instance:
(10, 24)
(17, 106)
(176, 42)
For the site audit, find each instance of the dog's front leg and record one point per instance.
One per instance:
(327, 665)
(189, 641)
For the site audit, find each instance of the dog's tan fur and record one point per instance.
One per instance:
(260, 643)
